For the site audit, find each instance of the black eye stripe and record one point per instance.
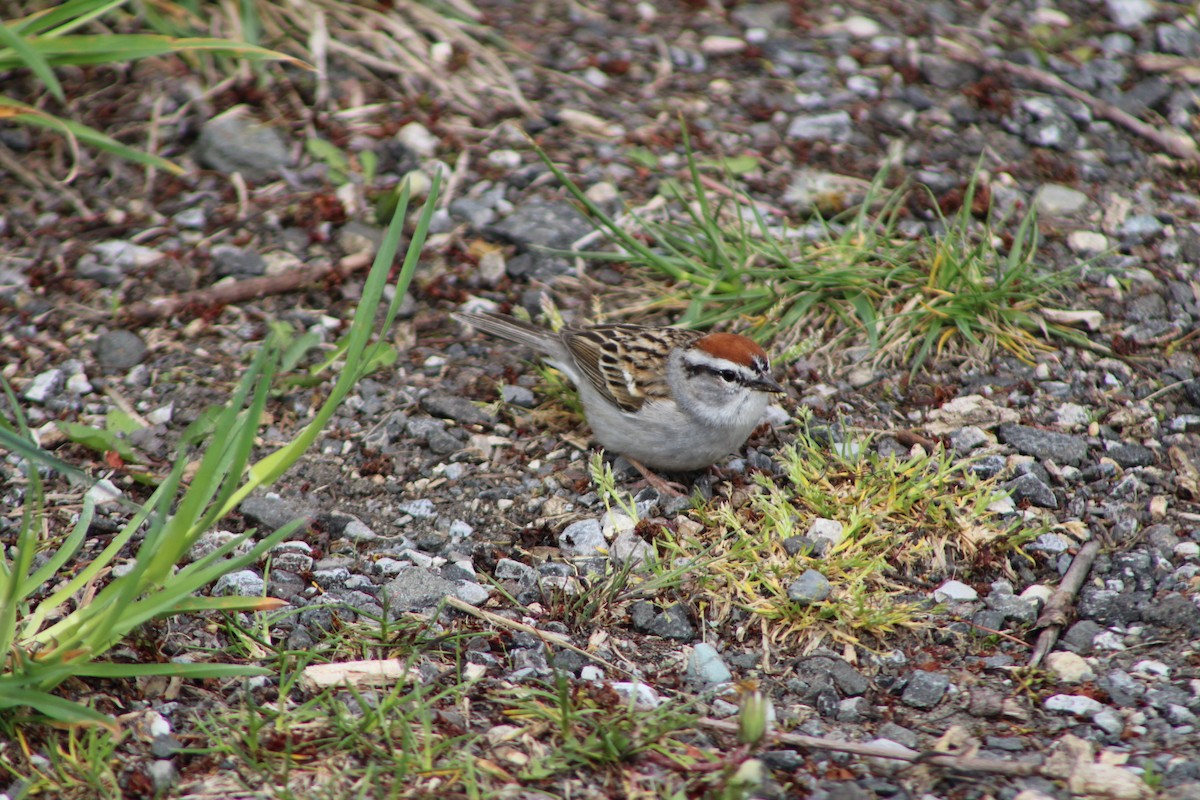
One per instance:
(730, 375)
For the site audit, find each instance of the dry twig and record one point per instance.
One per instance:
(224, 294)
(1061, 604)
(991, 766)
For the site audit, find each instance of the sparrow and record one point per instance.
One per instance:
(668, 399)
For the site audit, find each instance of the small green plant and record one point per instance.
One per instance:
(591, 727)
(47, 38)
(897, 516)
(908, 300)
(606, 486)
(47, 637)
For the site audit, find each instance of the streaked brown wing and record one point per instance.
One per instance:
(604, 353)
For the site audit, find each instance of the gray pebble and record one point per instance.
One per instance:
(835, 126)
(416, 589)
(457, 408)
(925, 689)
(232, 143)
(811, 587)
(228, 260)
(671, 623)
(556, 225)
(582, 538)
(1059, 447)
(45, 386)
(119, 350)
(243, 583)
(705, 668)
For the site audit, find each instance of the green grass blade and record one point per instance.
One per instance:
(26, 55)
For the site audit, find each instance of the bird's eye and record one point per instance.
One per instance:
(728, 375)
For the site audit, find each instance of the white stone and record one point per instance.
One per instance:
(1189, 551)
(417, 138)
(1069, 667)
(1077, 704)
(643, 696)
(1087, 243)
(1072, 417)
(1054, 199)
(954, 590)
(829, 529)
(1149, 667)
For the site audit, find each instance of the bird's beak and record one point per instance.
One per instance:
(765, 383)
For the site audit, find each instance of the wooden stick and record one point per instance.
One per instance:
(236, 291)
(991, 766)
(1061, 605)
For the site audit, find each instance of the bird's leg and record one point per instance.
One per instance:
(657, 482)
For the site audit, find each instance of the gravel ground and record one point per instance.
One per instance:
(418, 488)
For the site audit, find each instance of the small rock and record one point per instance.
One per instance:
(418, 140)
(233, 261)
(555, 225)
(811, 587)
(118, 351)
(1131, 454)
(970, 409)
(925, 689)
(421, 508)
(44, 386)
(508, 569)
(243, 583)
(1029, 488)
(1129, 14)
(956, 591)
(271, 512)
(1056, 200)
(233, 143)
(582, 538)
(1069, 667)
(1076, 704)
(416, 589)
(628, 548)
(1087, 243)
(1062, 448)
(670, 623)
(706, 668)
(835, 126)
(644, 697)
(457, 408)
(471, 592)
(830, 530)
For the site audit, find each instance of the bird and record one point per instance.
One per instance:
(668, 399)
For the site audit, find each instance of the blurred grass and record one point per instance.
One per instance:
(49, 636)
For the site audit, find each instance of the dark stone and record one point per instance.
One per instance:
(1062, 448)
(556, 225)
(670, 623)
(848, 680)
(1109, 607)
(271, 513)
(1131, 455)
(118, 350)
(925, 689)
(1028, 489)
(228, 260)
(459, 409)
(1079, 637)
(1173, 612)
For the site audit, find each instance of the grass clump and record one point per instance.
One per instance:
(65, 600)
(51, 35)
(900, 517)
(853, 280)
